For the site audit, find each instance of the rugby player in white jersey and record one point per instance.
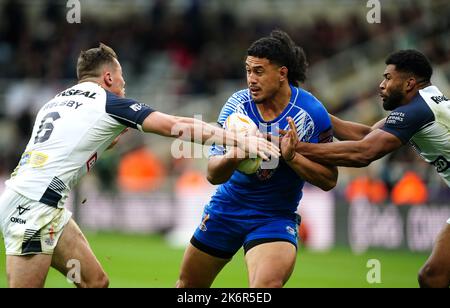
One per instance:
(421, 117)
(70, 133)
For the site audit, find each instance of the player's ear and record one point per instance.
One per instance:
(410, 83)
(107, 78)
(283, 73)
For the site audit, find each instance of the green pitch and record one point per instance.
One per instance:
(147, 261)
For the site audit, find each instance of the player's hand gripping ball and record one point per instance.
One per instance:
(242, 124)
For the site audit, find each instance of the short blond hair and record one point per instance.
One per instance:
(90, 61)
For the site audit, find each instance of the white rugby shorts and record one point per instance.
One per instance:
(30, 227)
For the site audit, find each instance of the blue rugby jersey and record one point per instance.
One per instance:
(278, 189)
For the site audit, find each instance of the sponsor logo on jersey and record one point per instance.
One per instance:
(71, 92)
(24, 159)
(19, 221)
(22, 209)
(439, 99)
(136, 107)
(291, 231)
(38, 159)
(202, 225)
(395, 117)
(35, 159)
(91, 162)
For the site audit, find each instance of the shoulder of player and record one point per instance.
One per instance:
(237, 100)
(417, 107)
(416, 112)
(240, 97)
(115, 101)
(309, 102)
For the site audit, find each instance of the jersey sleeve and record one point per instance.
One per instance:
(230, 107)
(127, 111)
(323, 131)
(407, 120)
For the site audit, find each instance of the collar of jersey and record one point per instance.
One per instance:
(294, 94)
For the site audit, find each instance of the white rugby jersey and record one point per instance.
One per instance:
(425, 124)
(70, 133)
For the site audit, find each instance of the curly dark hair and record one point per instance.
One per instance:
(280, 49)
(411, 61)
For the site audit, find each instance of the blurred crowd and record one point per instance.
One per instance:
(206, 47)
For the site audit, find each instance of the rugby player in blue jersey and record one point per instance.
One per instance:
(420, 117)
(258, 211)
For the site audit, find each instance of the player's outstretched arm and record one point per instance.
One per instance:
(322, 176)
(197, 131)
(379, 124)
(346, 130)
(352, 153)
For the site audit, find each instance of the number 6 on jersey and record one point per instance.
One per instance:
(46, 127)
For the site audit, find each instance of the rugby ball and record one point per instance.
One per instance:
(242, 124)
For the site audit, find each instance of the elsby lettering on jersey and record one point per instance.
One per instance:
(71, 92)
(70, 104)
